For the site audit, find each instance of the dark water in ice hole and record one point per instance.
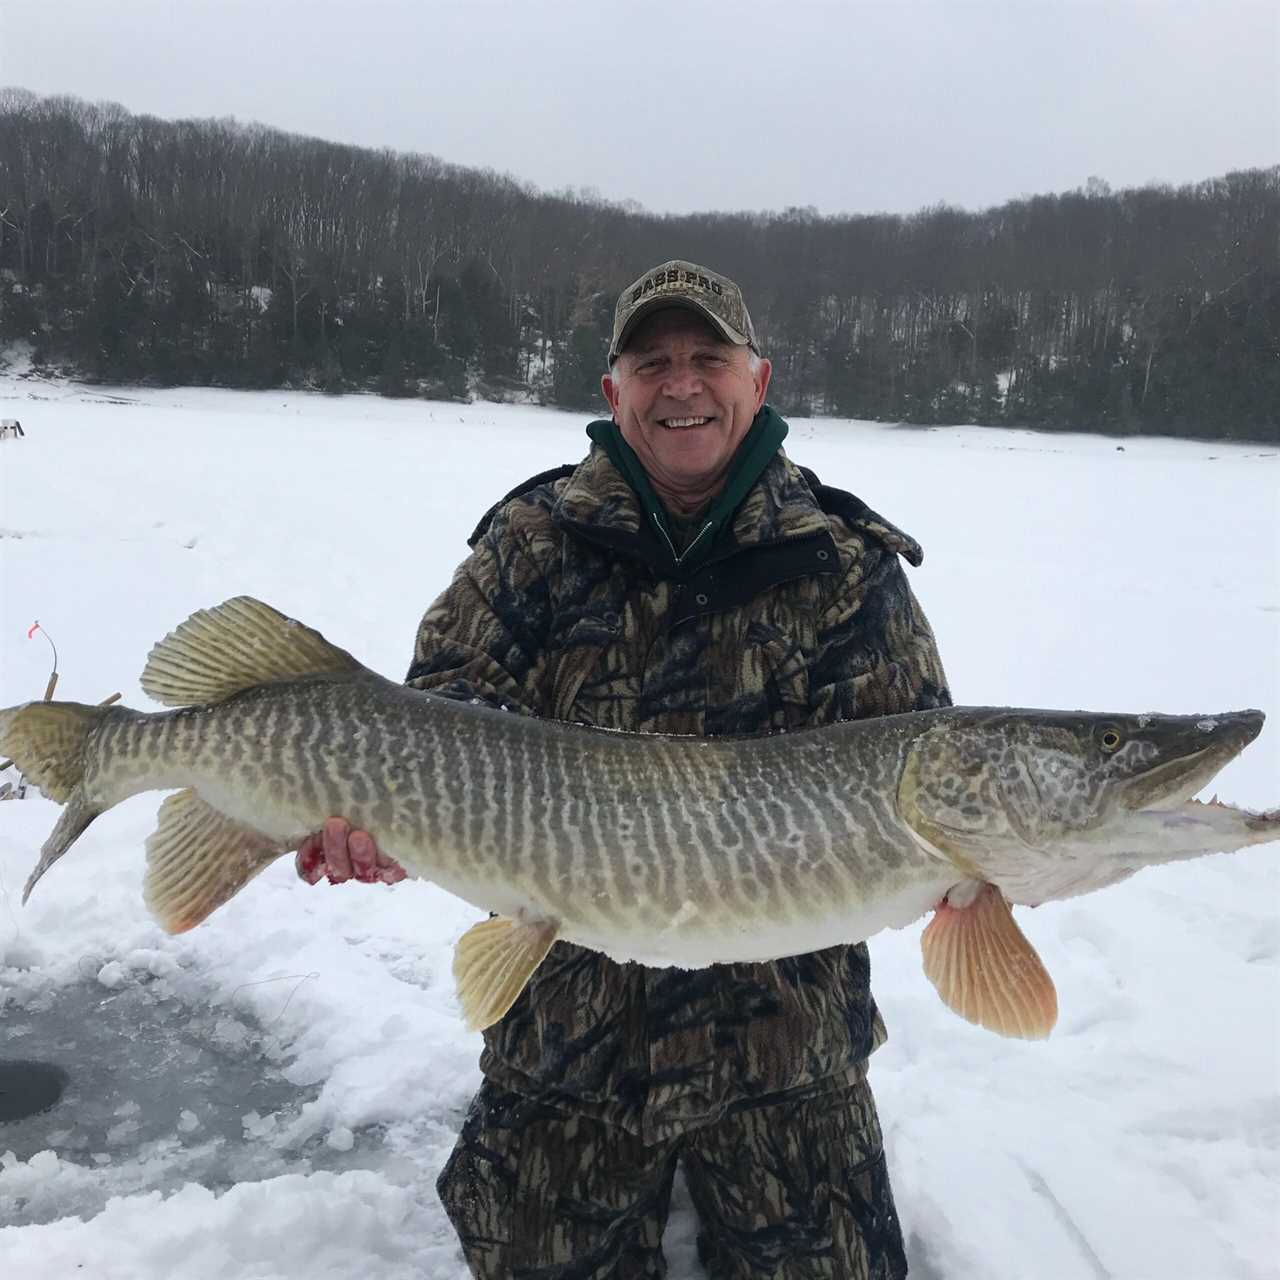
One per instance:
(28, 1088)
(156, 1086)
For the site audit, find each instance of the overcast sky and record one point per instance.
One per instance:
(704, 105)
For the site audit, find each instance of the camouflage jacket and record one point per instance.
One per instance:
(802, 616)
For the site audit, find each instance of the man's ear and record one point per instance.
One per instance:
(610, 389)
(764, 371)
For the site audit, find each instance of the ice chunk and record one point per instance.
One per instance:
(341, 1138)
(188, 1122)
(119, 1132)
(158, 964)
(256, 1126)
(230, 1034)
(395, 1027)
(112, 974)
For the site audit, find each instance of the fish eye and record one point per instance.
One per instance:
(1109, 738)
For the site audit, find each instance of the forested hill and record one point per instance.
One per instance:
(136, 249)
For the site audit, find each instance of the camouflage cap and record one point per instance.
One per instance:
(683, 284)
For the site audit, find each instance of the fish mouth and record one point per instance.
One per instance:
(1174, 781)
(1177, 781)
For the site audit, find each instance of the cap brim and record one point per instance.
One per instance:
(645, 309)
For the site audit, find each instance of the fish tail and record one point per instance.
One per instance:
(48, 742)
(73, 820)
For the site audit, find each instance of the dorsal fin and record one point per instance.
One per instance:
(233, 646)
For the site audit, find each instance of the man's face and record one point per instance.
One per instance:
(684, 398)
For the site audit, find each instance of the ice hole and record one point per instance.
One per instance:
(28, 1087)
(112, 1092)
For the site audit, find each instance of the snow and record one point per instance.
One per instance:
(273, 1094)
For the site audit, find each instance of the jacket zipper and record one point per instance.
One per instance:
(662, 529)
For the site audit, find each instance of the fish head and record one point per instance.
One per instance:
(990, 789)
(1162, 761)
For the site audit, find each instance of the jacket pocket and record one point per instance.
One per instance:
(588, 657)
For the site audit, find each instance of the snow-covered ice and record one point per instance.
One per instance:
(273, 1094)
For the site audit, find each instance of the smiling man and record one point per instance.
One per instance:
(686, 577)
(684, 389)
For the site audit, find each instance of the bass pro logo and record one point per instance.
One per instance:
(673, 280)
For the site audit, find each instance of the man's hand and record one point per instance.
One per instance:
(342, 854)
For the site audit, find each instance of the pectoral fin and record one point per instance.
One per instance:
(492, 962)
(985, 969)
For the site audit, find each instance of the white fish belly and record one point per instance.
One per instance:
(695, 938)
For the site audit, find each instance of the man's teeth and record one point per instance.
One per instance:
(684, 422)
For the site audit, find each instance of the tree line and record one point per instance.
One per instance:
(134, 249)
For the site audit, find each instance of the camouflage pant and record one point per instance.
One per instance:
(795, 1190)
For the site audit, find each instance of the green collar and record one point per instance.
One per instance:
(754, 453)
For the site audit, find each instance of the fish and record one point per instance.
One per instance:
(658, 849)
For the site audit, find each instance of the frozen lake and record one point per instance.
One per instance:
(273, 1093)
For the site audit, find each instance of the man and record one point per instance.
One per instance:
(686, 577)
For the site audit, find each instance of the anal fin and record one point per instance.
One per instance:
(197, 859)
(985, 969)
(492, 962)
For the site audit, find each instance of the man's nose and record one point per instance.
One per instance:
(682, 382)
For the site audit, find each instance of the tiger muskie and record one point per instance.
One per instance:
(664, 850)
